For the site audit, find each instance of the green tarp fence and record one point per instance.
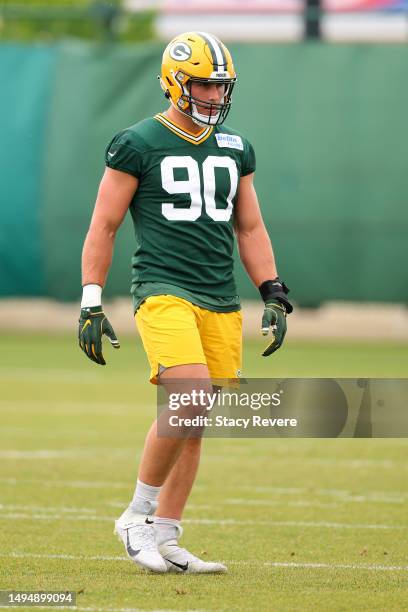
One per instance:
(328, 124)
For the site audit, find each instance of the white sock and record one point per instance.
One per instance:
(145, 498)
(166, 529)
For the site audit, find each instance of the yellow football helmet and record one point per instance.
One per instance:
(197, 57)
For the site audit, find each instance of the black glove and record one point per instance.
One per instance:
(92, 325)
(277, 306)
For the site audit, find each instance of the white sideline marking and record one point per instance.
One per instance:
(378, 568)
(340, 494)
(69, 407)
(72, 453)
(354, 566)
(90, 517)
(75, 484)
(269, 502)
(47, 509)
(39, 376)
(40, 454)
(66, 557)
(232, 501)
(109, 609)
(292, 524)
(122, 505)
(353, 463)
(319, 461)
(54, 517)
(277, 490)
(329, 461)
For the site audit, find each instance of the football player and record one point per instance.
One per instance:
(187, 180)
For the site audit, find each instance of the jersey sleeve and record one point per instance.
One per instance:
(123, 154)
(248, 159)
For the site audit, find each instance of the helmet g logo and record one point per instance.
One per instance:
(180, 51)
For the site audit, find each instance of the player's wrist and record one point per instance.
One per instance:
(91, 296)
(90, 312)
(275, 290)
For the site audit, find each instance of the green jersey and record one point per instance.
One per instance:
(183, 208)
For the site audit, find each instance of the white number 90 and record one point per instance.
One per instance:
(192, 186)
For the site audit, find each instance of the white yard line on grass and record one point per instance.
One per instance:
(44, 454)
(292, 524)
(104, 609)
(352, 463)
(69, 408)
(72, 453)
(283, 564)
(362, 566)
(74, 484)
(269, 502)
(66, 557)
(53, 517)
(39, 375)
(339, 494)
(392, 497)
(317, 461)
(122, 505)
(321, 462)
(62, 509)
(313, 524)
(234, 501)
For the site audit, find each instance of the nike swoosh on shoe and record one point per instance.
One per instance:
(182, 566)
(131, 551)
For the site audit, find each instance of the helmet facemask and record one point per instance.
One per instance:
(193, 107)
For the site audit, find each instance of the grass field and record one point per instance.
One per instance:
(302, 524)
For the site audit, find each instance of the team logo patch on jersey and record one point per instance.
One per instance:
(230, 141)
(180, 51)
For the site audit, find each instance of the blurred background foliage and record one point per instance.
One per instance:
(51, 20)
